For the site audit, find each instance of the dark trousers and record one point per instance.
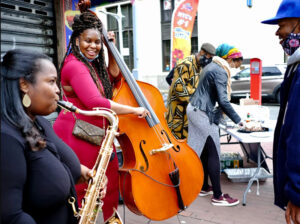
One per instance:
(211, 166)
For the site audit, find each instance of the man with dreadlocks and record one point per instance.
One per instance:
(87, 83)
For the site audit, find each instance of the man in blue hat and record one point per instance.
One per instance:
(286, 148)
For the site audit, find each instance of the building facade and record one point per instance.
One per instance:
(217, 22)
(146, 30)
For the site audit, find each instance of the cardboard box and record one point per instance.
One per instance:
(248, 101)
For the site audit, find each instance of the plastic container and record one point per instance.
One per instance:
(245, 174)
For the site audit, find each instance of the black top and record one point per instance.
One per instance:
(35, 186)
(170, 76)
(212, 88)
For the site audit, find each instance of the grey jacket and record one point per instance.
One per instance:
(212, 88)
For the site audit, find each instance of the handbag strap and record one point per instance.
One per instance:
(63, 94)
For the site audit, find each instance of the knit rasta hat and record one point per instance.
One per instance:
(228, 51)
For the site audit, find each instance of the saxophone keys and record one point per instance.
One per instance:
(71, 201)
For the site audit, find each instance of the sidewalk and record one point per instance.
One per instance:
(258, 210)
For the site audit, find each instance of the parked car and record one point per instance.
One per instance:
(272, 77)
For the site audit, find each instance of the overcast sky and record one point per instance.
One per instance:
(232, 22)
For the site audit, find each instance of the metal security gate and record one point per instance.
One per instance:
(28, 24)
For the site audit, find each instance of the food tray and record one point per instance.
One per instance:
(245, 174)
(264, 129)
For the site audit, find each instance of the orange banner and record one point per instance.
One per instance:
(183, 19)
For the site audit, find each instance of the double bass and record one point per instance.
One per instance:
(160, 175)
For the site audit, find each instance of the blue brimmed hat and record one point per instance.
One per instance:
(287, 9)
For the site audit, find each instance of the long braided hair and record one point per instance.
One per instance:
(82, 22)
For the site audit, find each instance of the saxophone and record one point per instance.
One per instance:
(92, 205)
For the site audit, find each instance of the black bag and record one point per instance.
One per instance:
(217, 115)
(170, 76)
(88, 132)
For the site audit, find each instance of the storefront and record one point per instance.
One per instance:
(28, 25)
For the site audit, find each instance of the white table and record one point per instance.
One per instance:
(250, 141)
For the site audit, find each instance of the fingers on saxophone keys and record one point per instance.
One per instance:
(90, 181)
(103, 187)
(102, 193)
(91, 173)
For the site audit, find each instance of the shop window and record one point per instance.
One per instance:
(166, 55)
(126, 31)
(112, 22)
(166, 12)
(194, 43)
(127, 13)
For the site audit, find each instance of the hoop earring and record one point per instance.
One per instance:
(26, 100)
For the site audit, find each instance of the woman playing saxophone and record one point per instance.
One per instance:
(38, 170)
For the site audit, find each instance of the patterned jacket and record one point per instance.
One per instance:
(184, 84)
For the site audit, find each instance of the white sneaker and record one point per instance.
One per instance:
(209, 191)
(224, 200)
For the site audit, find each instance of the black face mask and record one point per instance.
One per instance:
(203, 61)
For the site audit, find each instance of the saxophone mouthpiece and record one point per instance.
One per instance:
(67, 105)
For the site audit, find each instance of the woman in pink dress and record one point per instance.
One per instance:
(87, 83)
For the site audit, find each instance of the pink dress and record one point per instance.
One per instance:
(86, 96)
